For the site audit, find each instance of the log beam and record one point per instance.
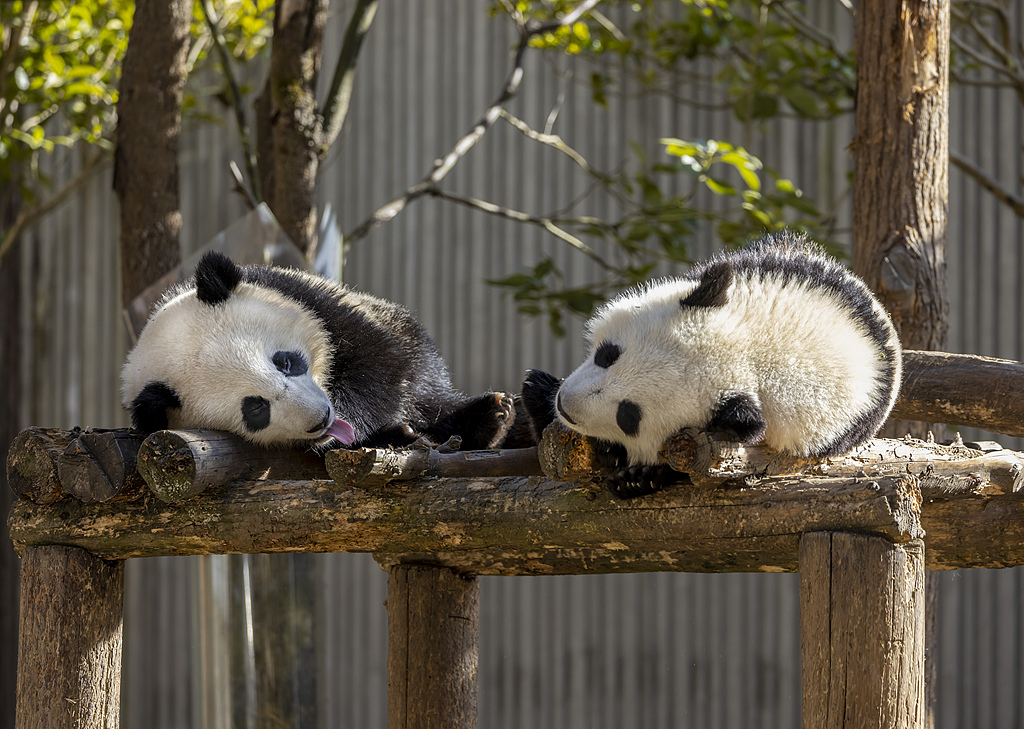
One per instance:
(69, 645)
(515, 525)
(862, 632)
(962, 389)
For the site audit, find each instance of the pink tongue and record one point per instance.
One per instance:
(341, 431)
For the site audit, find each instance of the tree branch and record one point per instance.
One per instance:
(30, 216)
(444, 165)
(244, 135)
(997, 191)
(340, 95)
(546, 223)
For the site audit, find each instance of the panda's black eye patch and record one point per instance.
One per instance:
(628, 417)
(606, 354)
(290, 364)
(255, 412)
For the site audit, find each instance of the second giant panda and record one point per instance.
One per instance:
(775, 343)
(281, 357)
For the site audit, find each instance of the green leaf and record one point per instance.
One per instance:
(717, 186)
(802, 100)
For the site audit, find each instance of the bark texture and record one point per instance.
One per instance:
(862, 632)
(963, 389)
(500, 526)
(901, 153)
(146, 156)
(10, 424)
(290, 126)
(69, 651)
(433, 631)
(901, 181)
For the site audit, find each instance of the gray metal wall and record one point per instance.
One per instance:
(665, 650)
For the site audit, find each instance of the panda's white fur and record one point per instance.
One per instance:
(282, 357)
(221, 354)
(792, 342)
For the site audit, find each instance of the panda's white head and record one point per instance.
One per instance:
(229, 355)
(650, 368)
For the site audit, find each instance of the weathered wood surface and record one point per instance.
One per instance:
(710, 460)
(963, 389)
(178, 464)
(69, 643)
(862, 632)
(32, 463)
(433, 634)
(99, 466)
(369, 468)
(515, 525)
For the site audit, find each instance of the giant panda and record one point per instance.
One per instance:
(775, 343)
(285, 358)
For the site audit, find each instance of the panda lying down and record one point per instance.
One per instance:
(281, 357)
(776, 343)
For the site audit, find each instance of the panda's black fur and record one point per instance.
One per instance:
(380, 370)
(776, 342)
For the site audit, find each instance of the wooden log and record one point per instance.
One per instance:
(516, 525)
(433, 634)
(32, 463)
(862, 632)
(69, 647)
(374, 467)
(178, 464)
(710, 459)
(962, 389)
(100, 466)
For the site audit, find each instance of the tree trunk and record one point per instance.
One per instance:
(901, 162)
(146, 157)
(289, 160)
(10, 424)
(901, 183)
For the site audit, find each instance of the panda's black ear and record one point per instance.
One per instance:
(216, 277)
(713, 289)
(149, 408)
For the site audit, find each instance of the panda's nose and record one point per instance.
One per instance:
(561, 410)
(322, 425)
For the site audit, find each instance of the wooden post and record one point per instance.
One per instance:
(69, 649)
(433, 630)
(861, 632)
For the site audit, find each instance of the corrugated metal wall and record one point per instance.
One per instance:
(665, 650)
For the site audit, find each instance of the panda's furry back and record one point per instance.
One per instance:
(796, 334)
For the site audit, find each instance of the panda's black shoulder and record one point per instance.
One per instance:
(785, 256)
(358, 318)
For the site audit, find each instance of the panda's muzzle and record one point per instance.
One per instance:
(322, 425)
(561, 410)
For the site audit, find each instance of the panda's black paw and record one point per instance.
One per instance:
(608, 455)
(640, 481)
(539, 389)
(481, 422)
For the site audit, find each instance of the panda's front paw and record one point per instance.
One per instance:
(481, 422)
(539, 389)
(612, 456)
(639, 481)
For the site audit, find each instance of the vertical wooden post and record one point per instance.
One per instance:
(433, 630)
(69, 648)
(862, 632)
